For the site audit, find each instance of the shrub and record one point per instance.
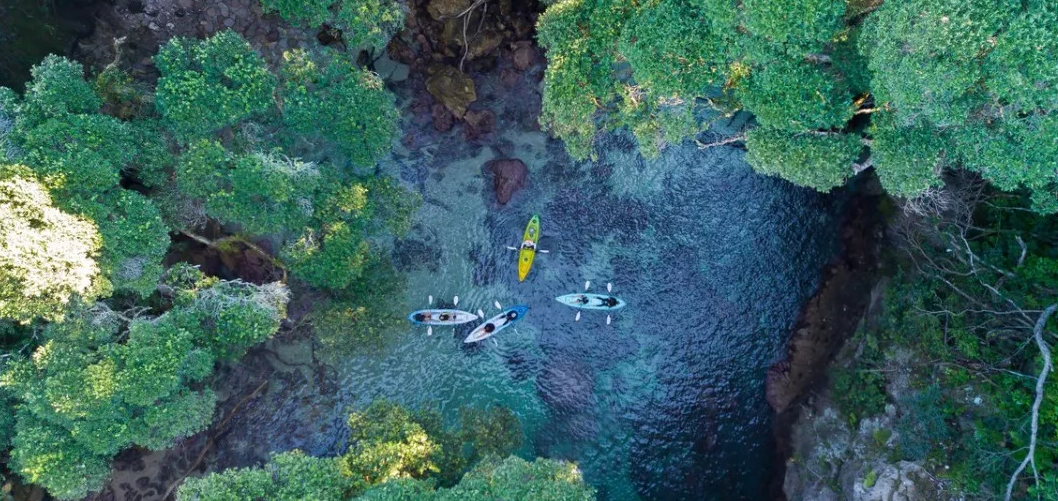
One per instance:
(212, 83)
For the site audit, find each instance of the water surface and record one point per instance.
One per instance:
(667, 403)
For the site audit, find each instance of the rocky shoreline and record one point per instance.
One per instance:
(828, 319)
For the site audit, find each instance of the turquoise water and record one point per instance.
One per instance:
(666, 403)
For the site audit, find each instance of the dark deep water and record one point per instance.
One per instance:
(667, 403)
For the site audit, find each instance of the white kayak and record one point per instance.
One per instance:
(441, 317)
(509, 317)
(588, 301)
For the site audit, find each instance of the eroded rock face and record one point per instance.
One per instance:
(510, 174)
(904, 481)
(452, 88)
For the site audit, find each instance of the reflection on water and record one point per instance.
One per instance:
(666, 403)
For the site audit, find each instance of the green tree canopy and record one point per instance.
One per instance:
(327, 96)
(364, 23)
(47, 256)
(102, 382)
(945, 84)
(212, 83)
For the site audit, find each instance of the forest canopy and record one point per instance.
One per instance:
(919, 86)
(103, 179)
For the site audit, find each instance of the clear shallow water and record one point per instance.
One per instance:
(668, 402)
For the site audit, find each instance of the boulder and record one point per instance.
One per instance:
(400, 51)
(441, 9)
(904, 481)
(483, 44)
(479, 122)
(442, 118)
(452, 88)
(510, 174)
(524, 56)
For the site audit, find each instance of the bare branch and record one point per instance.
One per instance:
(1045, 351)
(732, 139)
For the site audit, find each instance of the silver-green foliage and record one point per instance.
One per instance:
(47, 256)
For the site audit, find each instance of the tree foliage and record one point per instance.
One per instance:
(348, 106)
(945, 84)
(212, 83)
(399, 455)
(818, 161)
(47, 256)
(364, 23)
(289, 476)
(102, 382)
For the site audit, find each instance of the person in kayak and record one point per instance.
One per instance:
(422, 317)
(610, 302)
(583, 299)
(511, 315)
(489, 327)
(444, 317)
(529, 245)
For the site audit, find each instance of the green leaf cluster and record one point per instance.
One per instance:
(364, 23)
(209, 84)
(289, 476)
(47, 256)
(80, 155)
(329, 97)
(395, 454)
(945, 84)
(102, 382)
(816, 160)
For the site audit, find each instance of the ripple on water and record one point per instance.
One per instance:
(666, 403)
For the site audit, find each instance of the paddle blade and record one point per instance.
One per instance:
(587, 284)
(609, 287)
(455, 300)
(608, 319)
(429, 331)
(542, 251)
(429, 299)
(577, 318)
(497, 303)
(511, 248)
(481, 314)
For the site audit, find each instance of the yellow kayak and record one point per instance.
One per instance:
(527, 251)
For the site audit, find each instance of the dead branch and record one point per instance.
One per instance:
(1045, 351)
(732, 139)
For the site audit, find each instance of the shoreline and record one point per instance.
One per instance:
(827, 320)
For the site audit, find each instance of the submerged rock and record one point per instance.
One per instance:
(566, 387)
(524, 56)
(479, 122)
(510, 174)
(452, 88)
(442, 118)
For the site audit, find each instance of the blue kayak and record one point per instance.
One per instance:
(509, 317)
(587, 301)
